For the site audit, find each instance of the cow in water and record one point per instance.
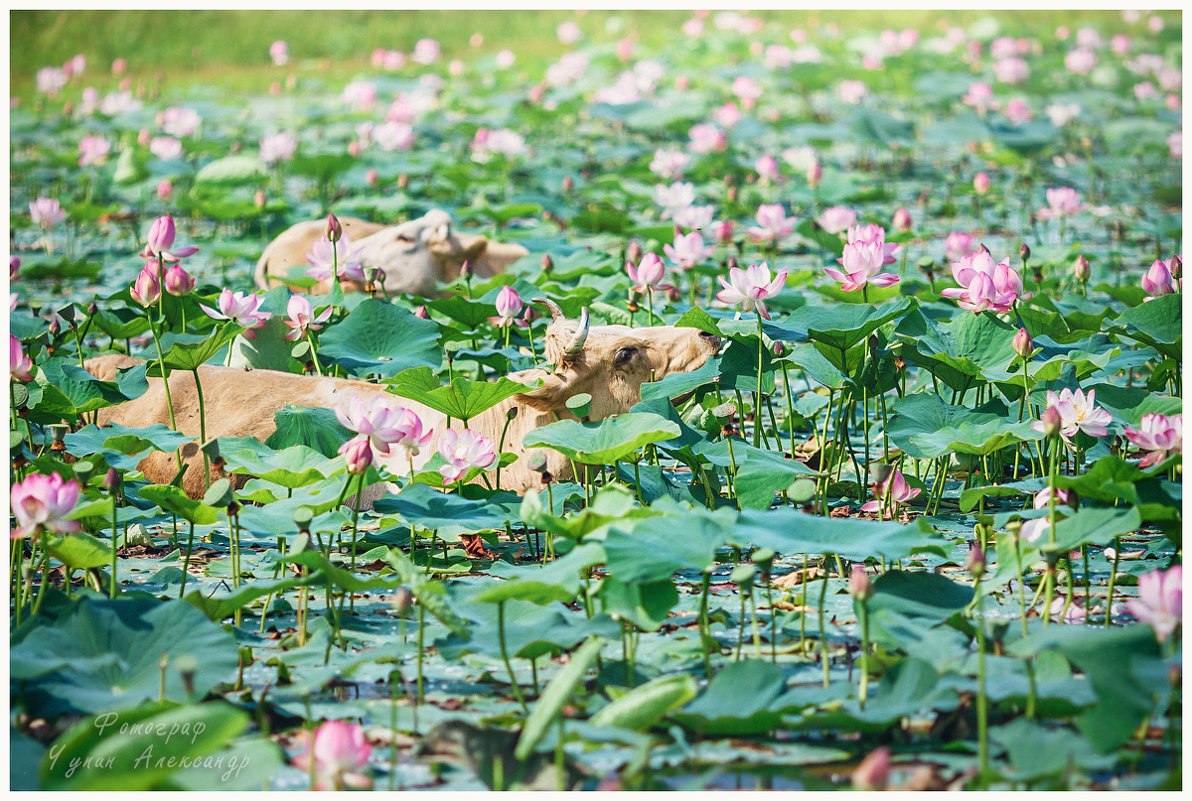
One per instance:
(412, 256)
(608, 362)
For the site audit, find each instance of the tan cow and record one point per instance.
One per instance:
(608, 362)
(413, 255)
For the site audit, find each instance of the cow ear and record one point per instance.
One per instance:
(475, 249)
(551, 395)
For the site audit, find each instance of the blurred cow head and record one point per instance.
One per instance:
(411, 255)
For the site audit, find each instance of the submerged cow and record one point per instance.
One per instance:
(609, 362)
(412, 255)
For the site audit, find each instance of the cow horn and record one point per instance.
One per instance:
(581, 336)
(556, 313)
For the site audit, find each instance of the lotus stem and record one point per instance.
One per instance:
(1112, 579)
(114, 584)
(505, 656)
(757, 407)
(202, 429)
(822, 628)
(165, 382)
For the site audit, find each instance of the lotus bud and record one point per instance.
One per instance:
(981, 183)
(873, 342)
(1023, 345)
(976, 562)
(779, 350)
(165, 189)
(143, 135)
(874, 771)
(633, 253)
(358, 455)
(258, 199)
(370, 178)
(1051, 421)
(93, 308)
(1014, 527)
(548, 264)
(1080, 269)
(731, 195)
(146, 290)
(859, 584)
(465, 270)
(902, 220)
(14, 264)
(422, 313)
(1177, 267)
(568, 184)
(815, 173)
(55, 327)
(403, 181)
(178, 281)
(1024, 252)
(111, 481)
(724, 232)
(732, 263)
(354, 149)
(334, 230)
(403, 599)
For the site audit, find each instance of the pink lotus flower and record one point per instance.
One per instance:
(357, 454)
(773, 224)
(648, 274)
(983, 284)
(1080, 60)
(862, 263)
(674, 197)
(1034, 529)
(724, 232)
(981, 183)
(747, 90)
(93, 150)
(836, 219)
(1061, 114)
(51, 79)
(1161, 436)
(325, 256)
(979, 97)
(902, 220)
(165, 189)
(891, 493)
(180, 122)
(504, 59)
(872, 232)
(1158, 280)
(693, 217)
(300, 318)
(375, 419)
(851, 92)
(568, 33)
(41, 503)
(503, 142)
(1061, 202)
(361, 94)
(706, 138)
(749, 288)
(1160, 600)
(687, 251)
(279, 147)
(509, 304)
(340, 755)
(20, 366)
(14, 264)
(957, 245)
(767, 169)
(393, 136)
(669, 164)
(1175, 144)
(178, 281)
(464, 450)
(410, 437)
(46, 212)
(280, 53)
(426, 51)
(165, 148)
(241, 308)
(146, 288)
(1077, 412)
(815, 174)
(727, 115)
(1011, 70)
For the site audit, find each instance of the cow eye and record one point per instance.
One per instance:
(624, 355)
(404, 238)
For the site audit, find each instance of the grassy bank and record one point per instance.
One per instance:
(181, 48)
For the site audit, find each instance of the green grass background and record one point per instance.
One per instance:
(177, 49)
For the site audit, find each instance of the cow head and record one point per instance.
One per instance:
(418, 252)
(611, 362)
